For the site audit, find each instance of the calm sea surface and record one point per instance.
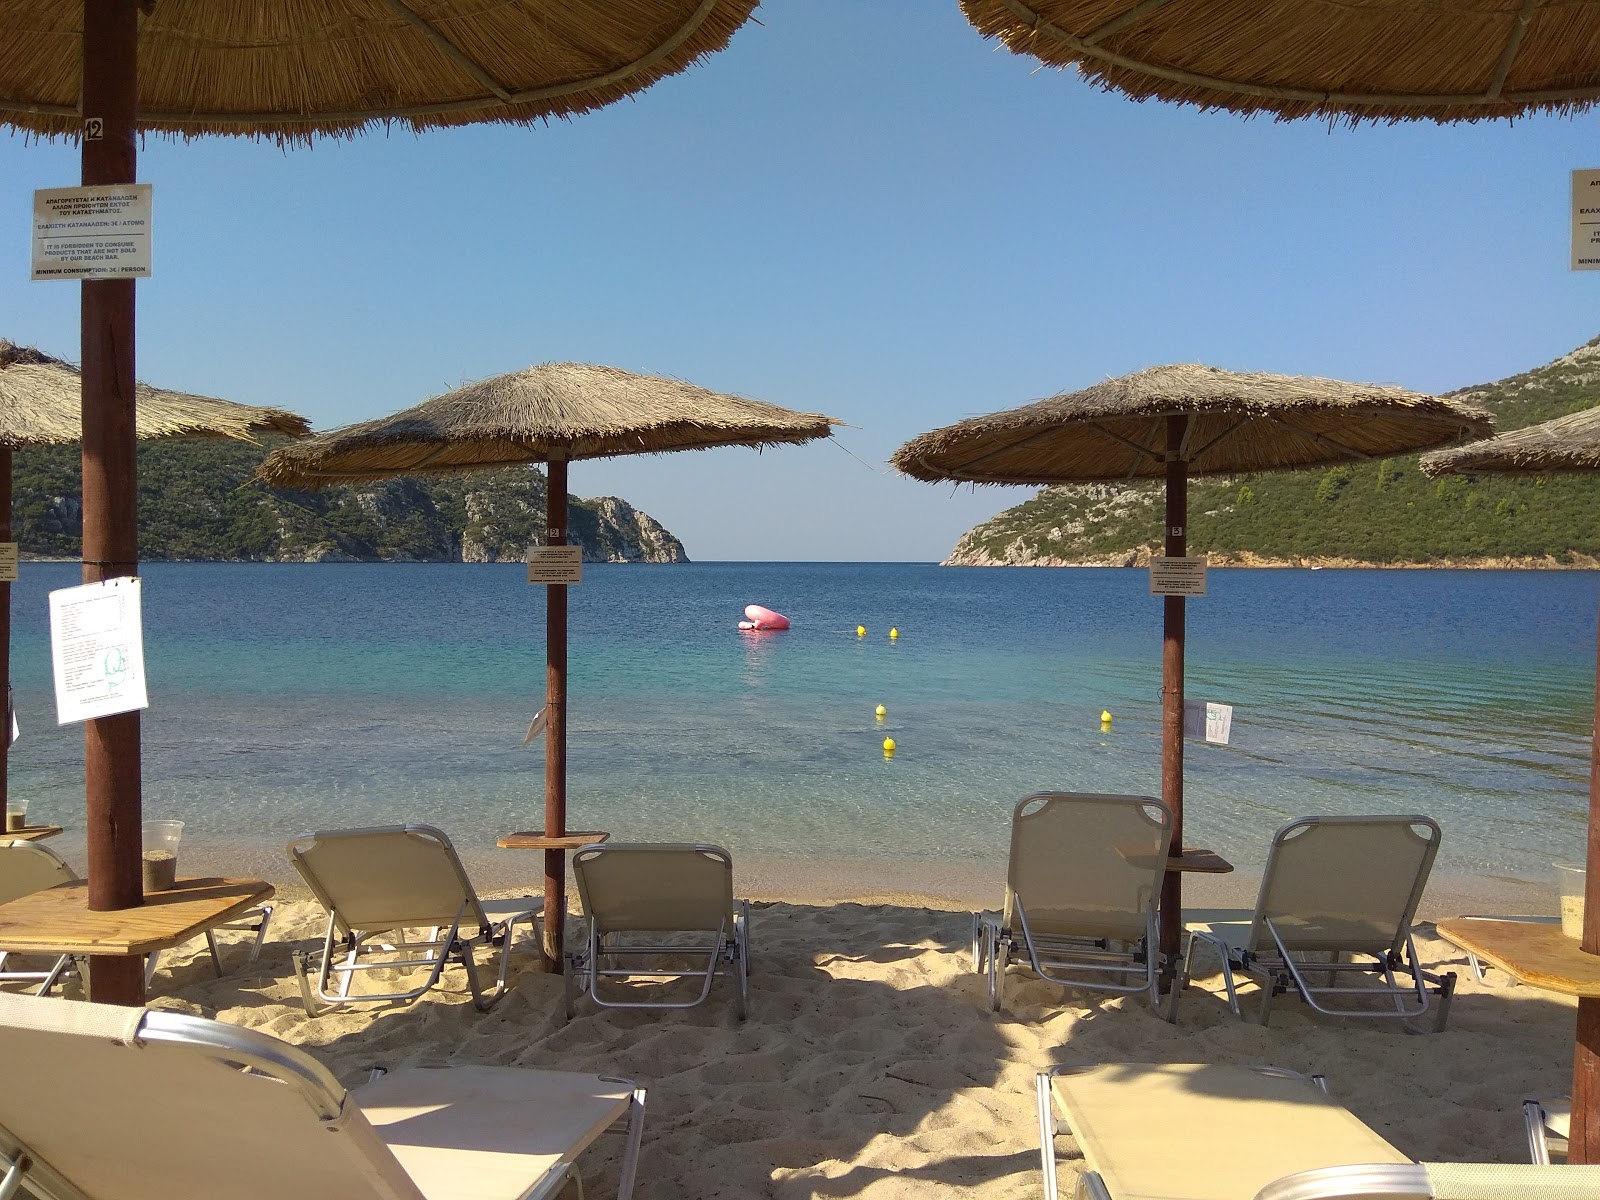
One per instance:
(286, 698)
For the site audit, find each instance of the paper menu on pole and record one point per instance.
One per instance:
(97, 650)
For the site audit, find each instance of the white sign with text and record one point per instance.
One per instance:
(1586, 220)
(1178, 576)
(1207, 719)
(92, 232)
(97, 650)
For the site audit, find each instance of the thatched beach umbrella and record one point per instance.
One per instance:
(286, 70)
(1381, 60)
(1565, 445)
(552, 414)
(1170, 423)
(41, 405)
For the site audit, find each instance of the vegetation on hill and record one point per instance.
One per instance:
(1384, 512)
(198, 502)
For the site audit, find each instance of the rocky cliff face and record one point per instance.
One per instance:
(199, 502)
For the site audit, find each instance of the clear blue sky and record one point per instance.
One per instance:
(860, 207)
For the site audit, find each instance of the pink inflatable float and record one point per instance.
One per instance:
(762, 619)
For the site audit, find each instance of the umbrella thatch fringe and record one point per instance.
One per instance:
(1240, 422)
(1569, 443)
(41, 405)
(555, 410)
(335, 68)
(1383, 60)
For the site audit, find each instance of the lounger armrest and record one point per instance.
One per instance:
(1092, 1187)
(1335, 1183)
(1440, 1181)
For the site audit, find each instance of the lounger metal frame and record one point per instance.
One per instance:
(1279, 972)
(1435, 1181)
(727, 949)
(390, 948)
(1540, 1116)
(266, 1055)
(1090, 1184)
(1095, 964)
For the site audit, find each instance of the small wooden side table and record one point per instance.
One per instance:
(30, 833)
(536, 840)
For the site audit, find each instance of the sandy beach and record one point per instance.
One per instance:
(870, 1067)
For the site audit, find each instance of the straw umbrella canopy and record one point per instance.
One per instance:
(287, 70)
(1381, 60)
(552, 413)
(1169, 423)
(40, 405)
(1565, 444)
(290, 70)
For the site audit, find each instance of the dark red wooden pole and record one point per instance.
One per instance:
(1583, 1146)
(555, 734)
(5, 623)
(1172, 685)
(110, 539)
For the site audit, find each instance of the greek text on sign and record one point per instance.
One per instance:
(1586, 220)
(1178, 576)
(92, 232)
(555, 564)
(8, 562)
(1207, 719)
(97, 650)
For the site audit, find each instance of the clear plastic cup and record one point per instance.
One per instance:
(161, 854)
(16, 813)
(1571, 878)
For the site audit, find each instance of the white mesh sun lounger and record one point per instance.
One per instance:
(129, 1104)
(1333, 921)
(1187, 1131)
(656, 905)
(1082, 884)
(26, 867)
(380, 886)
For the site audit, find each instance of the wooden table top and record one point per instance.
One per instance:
(1201, 862)
(30, 833)
(1536, 953)
(58, 920)
(534, 839)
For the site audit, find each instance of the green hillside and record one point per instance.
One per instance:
(197, 502)
(1384, 512)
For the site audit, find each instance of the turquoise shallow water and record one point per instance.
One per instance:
(288, 697)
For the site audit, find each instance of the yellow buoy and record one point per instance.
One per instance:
(888, 745)
(894, 633)
(882, 712)
(861, 631)
(1105, 716)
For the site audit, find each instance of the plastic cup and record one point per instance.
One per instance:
(1571, 878)
(16, 814)
(161, 854)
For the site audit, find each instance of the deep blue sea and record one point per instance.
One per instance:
(285, 698)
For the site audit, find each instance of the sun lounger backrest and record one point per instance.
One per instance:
(400, 876)
(150, 1106)
(659, 887)
(26, 868)
(1086, 864)
(1344, 883)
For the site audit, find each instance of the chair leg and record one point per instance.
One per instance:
(216, 956)
(630, 1155)
(997, 968)
(1447, 993)
(1047, 1134)
(977, 943)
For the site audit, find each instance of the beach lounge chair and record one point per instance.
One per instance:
(380, 886)
(1333, 921)
(26, 868)
(146, 1105)
(1188, 1131)
(1082, 885)
(668, 907)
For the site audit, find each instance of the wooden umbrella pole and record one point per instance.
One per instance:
(5, 625)
(110, 529)
(1583, 1146)
(555, 711)
(1172, 690)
